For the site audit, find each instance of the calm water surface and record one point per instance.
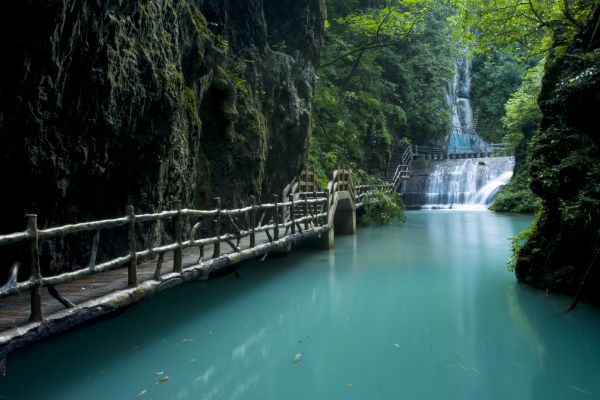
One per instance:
(422, 310)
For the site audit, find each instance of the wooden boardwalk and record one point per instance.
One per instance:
(15, 310)
(41, 306)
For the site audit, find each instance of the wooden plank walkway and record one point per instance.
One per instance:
(29, 313)
(15, 310)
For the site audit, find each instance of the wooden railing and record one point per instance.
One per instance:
(305, 207)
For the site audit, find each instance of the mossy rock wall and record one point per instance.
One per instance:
(565, 171)
(145, 102)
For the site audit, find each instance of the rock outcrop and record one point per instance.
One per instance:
(564, 242)
(108, 103)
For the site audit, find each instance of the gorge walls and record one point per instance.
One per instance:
(563, 245)
(108, 103)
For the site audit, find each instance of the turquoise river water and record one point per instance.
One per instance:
(420, 310)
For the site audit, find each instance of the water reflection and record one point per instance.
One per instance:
(384, 315)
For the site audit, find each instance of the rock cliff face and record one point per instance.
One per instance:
(110, 102)
(565, 171)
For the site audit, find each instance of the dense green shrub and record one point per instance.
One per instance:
(517, 196)
(382, 208)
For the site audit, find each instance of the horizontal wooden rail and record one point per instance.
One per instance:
(304, 205)
(14, 238)
(82, 227)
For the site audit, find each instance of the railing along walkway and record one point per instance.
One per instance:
(15, 310)
(200, 242)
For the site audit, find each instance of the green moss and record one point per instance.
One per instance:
(241, 85)
(190, 102)
(222, 44)
(198, 20)
(143, 9)
(173, 78)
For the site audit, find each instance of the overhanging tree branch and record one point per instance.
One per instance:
(374, 44)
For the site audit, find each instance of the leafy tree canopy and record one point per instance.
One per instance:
(531, 24)
(385, 67)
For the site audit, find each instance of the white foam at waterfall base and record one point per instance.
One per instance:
(467, 185)
(487, 193)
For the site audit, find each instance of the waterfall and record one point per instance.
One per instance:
(463, 137)
(457, 181)
(472, 183)
(458, 96)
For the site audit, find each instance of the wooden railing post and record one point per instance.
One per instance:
(178, 252)
(283, 209)
(217, 227)
(37, 313)
(132, 271)
(305, 210)
(346, 186)
(275, 218)
(315, 207)
(328, 207)
(336, 178)
(292, 214)
(306, 177)
(253, 222)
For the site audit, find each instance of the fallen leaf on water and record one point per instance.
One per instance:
(140, 394)
(464, 367)
(348, 385)
(162, 380)
(578, 389)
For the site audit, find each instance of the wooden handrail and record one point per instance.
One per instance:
(317, 208)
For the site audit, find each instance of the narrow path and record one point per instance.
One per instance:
(15, 310)
(29, 313)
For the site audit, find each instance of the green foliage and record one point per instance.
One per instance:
(522, 114)
(382, 208)
(382, 81)
(494, 78)
(521, 120)
(517, 196)
(518, 242)
(531, 25)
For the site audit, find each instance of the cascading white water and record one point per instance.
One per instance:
(471, 183)
(488, 192)
(462, 114)
(457, 182)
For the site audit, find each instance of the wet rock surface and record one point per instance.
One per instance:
(565, 171)
(109, 103)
